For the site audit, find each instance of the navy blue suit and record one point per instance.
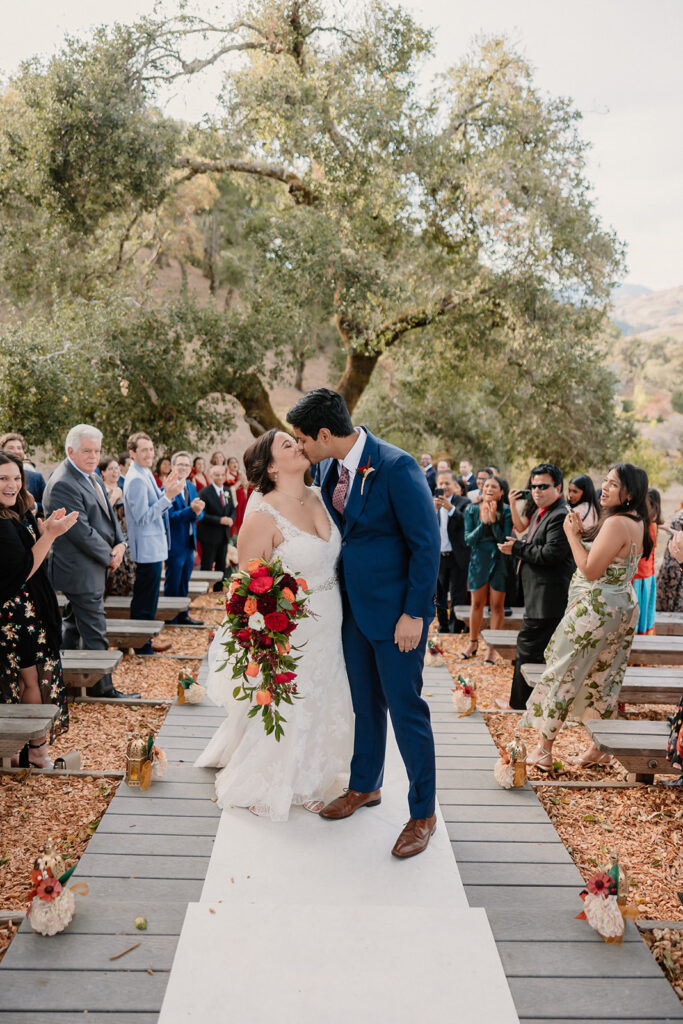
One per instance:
(389, 565)
(183, 523)
(35, 484)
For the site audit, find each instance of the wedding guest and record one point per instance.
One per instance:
(588, 652)
(120, 580)
(149, 532)
(14, 444)
(443, 466)
(161, 470)
(675, 547)
(198, 473)
(546, 566)
(487, 524)
(184, 513)
(467, 474)
(583, 500)
(217, 459)
(670, 578)
(428, 470)
(236, 483)
(451, 587)
(482, 476)
(30, 625)
(644, 581)
(214, 529)
(124, 466)
(81, 559)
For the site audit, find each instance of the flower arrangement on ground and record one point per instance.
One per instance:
(52, 905)
(189, 690)
(605, 905)
(433, 655)
(510, 769)
(264, 605)
(464, 696)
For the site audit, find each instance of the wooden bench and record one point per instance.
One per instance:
(82, 669)
(127, 633)
(639, 746)
(666, 623)
(655, 650)
(669, 623)
(20, 723)
(641, 685)
(513, 621)
(119, 607)
(201, 575)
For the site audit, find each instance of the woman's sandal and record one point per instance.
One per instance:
(466, 657)
(544, 763)
(314, 806)
(600, 762)
(46, 763)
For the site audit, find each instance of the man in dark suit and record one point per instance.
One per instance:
(467, 474)
(428, 470)
(80, 559)
(186, 509)
(214, 529)
(35, 481)
(547, 566)
(455, 555)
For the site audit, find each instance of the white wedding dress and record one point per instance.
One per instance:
(257, 771)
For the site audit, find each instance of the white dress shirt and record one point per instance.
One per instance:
(444, 516)
(352, 460)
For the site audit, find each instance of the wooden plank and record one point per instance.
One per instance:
(508, 798)
(101, 865)
(540, 875)
(448, 779)
(157, 805)
(655, 650)
(20, 711)
(158, 825)
(96, 916)
(577, 960)
(641, 685)
(552, 924)
(620, 727)
(500, 832)
(496, 814)
(81, 991)
(163, 790)
(629, 1000)
(553, 852)
(524, 899)
(32, 1017)
(148, 891)
(453, 748)
(30, 952)
(133, 842)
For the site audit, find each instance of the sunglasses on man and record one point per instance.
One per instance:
(541, 487)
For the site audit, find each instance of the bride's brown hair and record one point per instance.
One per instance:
(257, 458)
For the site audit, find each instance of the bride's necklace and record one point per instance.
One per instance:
(292, 496)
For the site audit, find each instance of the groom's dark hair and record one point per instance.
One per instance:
(321, 408)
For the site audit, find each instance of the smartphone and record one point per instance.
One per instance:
(438, 492)
(525, 496)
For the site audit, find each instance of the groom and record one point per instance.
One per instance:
(389, 563)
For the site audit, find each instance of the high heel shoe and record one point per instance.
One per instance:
(466, 657)
(597, 762)
(544, 762)
(45, 762)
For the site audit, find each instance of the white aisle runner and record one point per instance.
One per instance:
(314, 922)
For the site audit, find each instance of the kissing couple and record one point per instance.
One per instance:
(367, 541)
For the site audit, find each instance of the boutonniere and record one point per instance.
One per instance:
(365, 472)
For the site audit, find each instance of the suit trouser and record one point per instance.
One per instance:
(84, 627)
(532, 640)
(178, 572)
(143, 604)
(214, 555)
(451, 584)
(383, 678)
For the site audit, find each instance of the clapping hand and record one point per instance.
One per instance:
(197, 506)
(173, 485)
(676, 546)
(506, 547)
(59, 522)
(573, 527)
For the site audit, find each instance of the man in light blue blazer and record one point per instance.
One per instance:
(149, 535)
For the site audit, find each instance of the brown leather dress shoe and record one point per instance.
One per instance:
(415, 837)
(161, 645)
(345, 805)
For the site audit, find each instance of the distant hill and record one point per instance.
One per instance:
(650, 315)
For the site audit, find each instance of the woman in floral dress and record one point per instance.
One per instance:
(30, 624)
(588, 652)
(670, 578)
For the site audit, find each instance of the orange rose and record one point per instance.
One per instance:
(302, 582)
(263, 697)
(254, 564)
(251, 670)
(234, 585)
(284, 648)
(250, 606)
(287, 594)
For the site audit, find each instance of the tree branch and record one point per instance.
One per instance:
(299, 192)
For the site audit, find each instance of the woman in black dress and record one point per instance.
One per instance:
(30, 623)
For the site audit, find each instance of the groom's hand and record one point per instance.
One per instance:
(407, 633)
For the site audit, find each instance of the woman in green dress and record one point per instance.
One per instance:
(487, 524)
(588, 652)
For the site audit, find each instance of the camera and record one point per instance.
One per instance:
(525, 495)
(438, 492)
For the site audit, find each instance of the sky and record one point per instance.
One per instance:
(619, 60)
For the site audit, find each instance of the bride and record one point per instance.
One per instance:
(284, 518)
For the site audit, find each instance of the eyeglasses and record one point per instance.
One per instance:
(541, 487)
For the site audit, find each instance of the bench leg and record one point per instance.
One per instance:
(645, 777)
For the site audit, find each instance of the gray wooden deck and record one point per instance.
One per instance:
(513, 863)
(150, 854)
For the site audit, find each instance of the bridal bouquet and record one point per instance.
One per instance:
(263, 608)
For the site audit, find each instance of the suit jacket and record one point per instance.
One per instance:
(390, 551)
(35, 485)
(430, 477)
(547, 565)
(183, 523)
(471, 482)
(146, 508)
(455, 526)
(210, 529)
(80, 558)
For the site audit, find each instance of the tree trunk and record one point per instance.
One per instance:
(356, 376)
(299, 373)
(254, 399)
(183, 277)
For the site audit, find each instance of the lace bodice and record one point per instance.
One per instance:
(305, 553)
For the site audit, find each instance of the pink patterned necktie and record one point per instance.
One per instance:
(339, 493)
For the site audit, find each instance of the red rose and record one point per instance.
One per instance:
(289, 628)
(235, 605)
(261, 585)
(277, 621)
(284, 677)
(243, 637)
(267, 603)
(264, 641)
(262, 570)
